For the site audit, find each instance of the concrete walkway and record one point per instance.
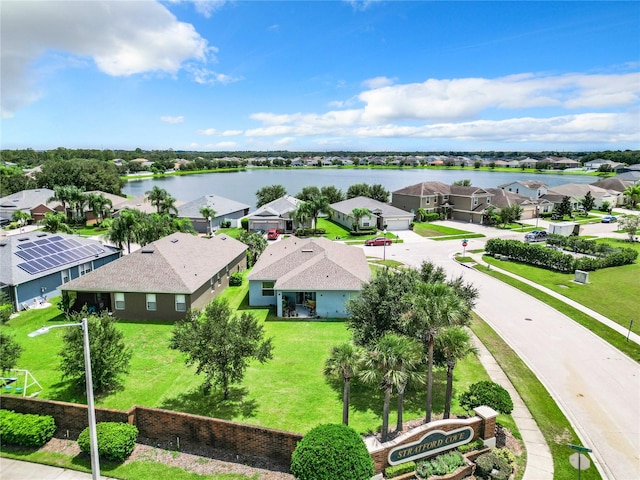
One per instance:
(17, 470)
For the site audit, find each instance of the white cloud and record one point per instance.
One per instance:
(377, 82)
(285, 141)
(207, 7)
(213, 132)
(208, 131)
(122, 38)
(231, 133)
(169, 119)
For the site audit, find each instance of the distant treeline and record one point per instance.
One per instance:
(29, 158)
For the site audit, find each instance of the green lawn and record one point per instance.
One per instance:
(289, 392)
(428, 229)
(612, 292)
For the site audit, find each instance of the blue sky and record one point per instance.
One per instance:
(321, 75)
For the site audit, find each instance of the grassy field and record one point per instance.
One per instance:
(612, 292)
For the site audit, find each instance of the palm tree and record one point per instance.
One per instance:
(21, 217)
(358, 214)
(301, 214)
(318, 204)
(388, 365)
(632, 192)
(344, 361)
(434, 306)
(156, 197)
(77, 201)
(63, 195)
(124, 229)
(168, 206)
(54, 222)
(208, 213)
(453, 344)
(99, 205)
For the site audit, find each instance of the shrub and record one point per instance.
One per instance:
(225, 224)
(396, 470)
(505, 454)
(486, 393)
(116, 440)
(235, 279)
(331, 452)
(441, 465)
(490, 466)
(470, 447)
(244, 223)
(25, 429)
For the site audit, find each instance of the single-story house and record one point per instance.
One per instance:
(577, 191)
(313, 276)
(141, 203)
(276, 214)
(531, 207)
(36, 264)
(614, 183)
(35, 202)
(162, 280)
(225, 209)
(382, 214)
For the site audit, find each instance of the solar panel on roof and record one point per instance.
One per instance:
(28, 268)
(26, 245)
(57, 238)
(48, 249)
(42, 242)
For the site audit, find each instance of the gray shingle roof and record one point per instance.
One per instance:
(278, 208)
(425, 189)
(312, 264)
(222, 206)
(383, 209)
(27, 199)
(178, 263)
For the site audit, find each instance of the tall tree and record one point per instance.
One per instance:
(358, 190)
(317, 205)
(54, 222)
(156, 196)
(77, 202)
(333, 194)
(301, 214)
(123, 230)
(307, 193)
(344, 361)
(462, 183)
(99, 205)
(630, 224)
(21, 217)
(269, 193)
(256, 244)
(454, 344)
(209, 214)
(564, 208)
(588, 202)
(62, 194)
(110, 355)
(379, 193)
(168, 206)
(220, 344)
(10, 352)
(632, 192)
(388, 365)
(434, 306)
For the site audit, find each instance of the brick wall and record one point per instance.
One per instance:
(165, 426)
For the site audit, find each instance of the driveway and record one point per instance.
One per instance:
(596, 386)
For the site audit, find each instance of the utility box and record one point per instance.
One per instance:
(566, 229)
(581, 277)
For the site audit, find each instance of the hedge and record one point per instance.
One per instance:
(490, 466)
(486, 393)
(397, 470)
(26, 429)
(116, 440)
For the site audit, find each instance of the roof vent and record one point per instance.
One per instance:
(307, 250)
(3, 244)
(23, 239)
(41, 235)
(174, 240)
(147, 250)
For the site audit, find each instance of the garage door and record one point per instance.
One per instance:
(263, 225)
(394, 224)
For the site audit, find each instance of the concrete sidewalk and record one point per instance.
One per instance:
(18, 470)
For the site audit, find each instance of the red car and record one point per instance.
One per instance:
(272, 234)
(374, 242)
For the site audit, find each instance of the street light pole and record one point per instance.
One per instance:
(384, 245)
(537, 215)
(210, 227)
(93, 434)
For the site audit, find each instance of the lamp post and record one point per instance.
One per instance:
(384, 245)
(210, 227)
(93, 437)
(537, 215)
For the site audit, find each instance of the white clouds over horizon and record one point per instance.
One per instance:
(169, 119)
(121, 38)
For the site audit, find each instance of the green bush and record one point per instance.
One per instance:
(486, 393)
(116, 440)
(396, 470)
(305, 232)
(235, 279)
(441, 465)
(244, 223)
(470, 447)
(25, 429)
(331, 452)
(505, 454)
(491, 467)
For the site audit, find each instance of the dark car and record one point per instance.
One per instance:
(609, 219)
(374, 242)
(536, 236)
(272, 234)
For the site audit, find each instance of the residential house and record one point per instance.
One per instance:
(600, 162)
(309, 277)
(225, 209)
(577, 191)
(36, 264)
(141, 203)
(614, 183)
(163, 280)
(531, 207)
(276, 214)
(456, 202)
(528, 162)
(382, 214)
(35, 202)
(526, 188)
(561, 163)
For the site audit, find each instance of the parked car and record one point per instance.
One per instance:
(536, 236)
(272, 234)
(375, 242)
(609, 219)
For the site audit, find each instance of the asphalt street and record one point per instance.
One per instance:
(596, 386)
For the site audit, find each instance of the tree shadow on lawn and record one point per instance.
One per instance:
(366, 397)
(197, 403)
(68, 391)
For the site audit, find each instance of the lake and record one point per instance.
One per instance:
(242, 186)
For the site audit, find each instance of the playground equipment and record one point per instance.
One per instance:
(19, 382)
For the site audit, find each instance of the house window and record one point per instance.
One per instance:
(85, 268)
(365, 224)
(427, 201)
(475, 200)
(488, 199)
(219, 282)
(181, 303)
(267, 289)
(65, 276)
(151, 302)
(119, 297)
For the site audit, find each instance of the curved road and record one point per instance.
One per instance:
(596, 386)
